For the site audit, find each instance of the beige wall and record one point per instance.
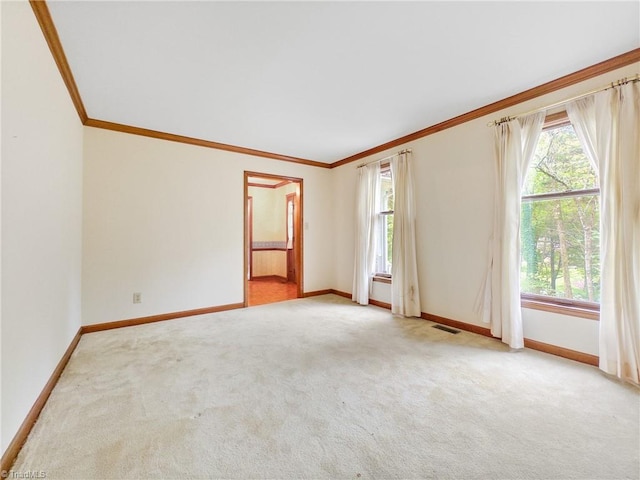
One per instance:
(454, 180)
(268, 214)
(270, 224)
(41, 196)
(166, 220)
(269, 262)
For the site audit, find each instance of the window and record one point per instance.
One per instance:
(384, 224)
(290, 207)
(559, 229)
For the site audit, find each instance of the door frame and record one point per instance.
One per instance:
(298, 230)
(248, 254)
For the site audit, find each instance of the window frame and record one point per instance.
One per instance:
(381, 276)
(564, 306)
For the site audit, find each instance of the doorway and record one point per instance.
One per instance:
(273, 270)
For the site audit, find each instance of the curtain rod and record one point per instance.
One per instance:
(406, 150)
(619, 83)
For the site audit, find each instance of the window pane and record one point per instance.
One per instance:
(385, 223)
(385, 238)
(388, 227)
(289, 224)
(559, 164)
(386, 191)
(560, 248)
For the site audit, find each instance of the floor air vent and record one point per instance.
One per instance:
(446, 329)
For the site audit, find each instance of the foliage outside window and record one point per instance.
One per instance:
(385, 224)
(560, 221)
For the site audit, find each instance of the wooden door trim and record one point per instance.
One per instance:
(299, 245)
(245, 238)
(250, 227)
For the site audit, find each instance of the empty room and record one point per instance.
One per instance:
(330, 239)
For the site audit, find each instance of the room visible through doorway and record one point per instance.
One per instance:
(273, 238)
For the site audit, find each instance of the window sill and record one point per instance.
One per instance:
(549, 305)
(378, 278)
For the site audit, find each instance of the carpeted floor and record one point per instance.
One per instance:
(323, 388)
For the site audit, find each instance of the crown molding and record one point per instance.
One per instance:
(614, 63)
(145, 132)
(50, 33)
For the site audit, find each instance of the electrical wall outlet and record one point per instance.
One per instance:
(137, 298)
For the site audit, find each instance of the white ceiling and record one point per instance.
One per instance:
(264, 181)
(324, 80)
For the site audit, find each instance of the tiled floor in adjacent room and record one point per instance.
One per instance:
(270, 290)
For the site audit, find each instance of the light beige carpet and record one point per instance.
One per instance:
(323, 388)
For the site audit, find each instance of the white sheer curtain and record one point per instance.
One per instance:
(516, 142)
(405, 294)
(367, 201)
(608, 125)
